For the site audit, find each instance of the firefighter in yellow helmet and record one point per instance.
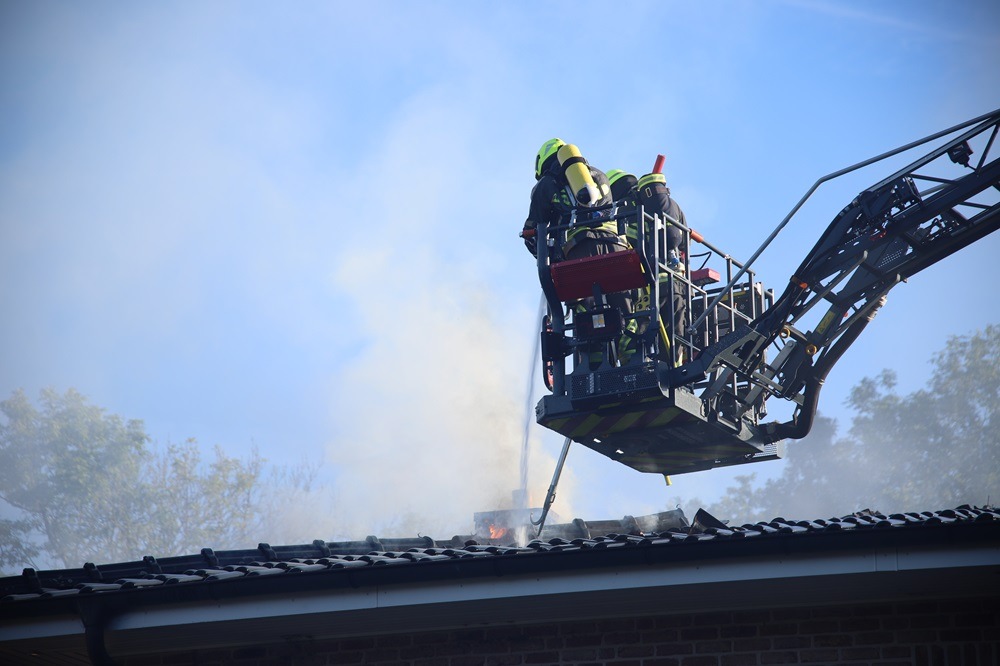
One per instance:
(557, 194)
(566, 182)
(652, 193)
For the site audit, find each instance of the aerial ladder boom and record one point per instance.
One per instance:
(888, 233)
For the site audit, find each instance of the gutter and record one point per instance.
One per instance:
(624, 578)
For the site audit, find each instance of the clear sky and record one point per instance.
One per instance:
(294, 226)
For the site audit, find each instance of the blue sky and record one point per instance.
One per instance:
(294, 227)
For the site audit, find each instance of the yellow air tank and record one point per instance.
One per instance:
(578, 175)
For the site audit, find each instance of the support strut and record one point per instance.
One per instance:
(550, 496)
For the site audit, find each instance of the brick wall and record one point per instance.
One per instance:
(964, 632)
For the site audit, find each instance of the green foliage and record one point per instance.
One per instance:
(71, 470)
(89, 487)
(935, 448)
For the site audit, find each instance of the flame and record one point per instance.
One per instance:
(497, 532)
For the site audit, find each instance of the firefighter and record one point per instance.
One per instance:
(567, 183)
(652, 193)
(553, 199)
(622, 188)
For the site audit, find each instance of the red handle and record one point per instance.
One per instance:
(527, 233)
(658, 165)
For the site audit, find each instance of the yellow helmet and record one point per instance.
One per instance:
(621, 182)
(548, 150)
(651, 178)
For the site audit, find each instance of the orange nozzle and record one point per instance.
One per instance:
(695, 236)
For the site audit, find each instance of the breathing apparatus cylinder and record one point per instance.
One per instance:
(578, 175)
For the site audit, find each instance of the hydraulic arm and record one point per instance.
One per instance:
(916, 217)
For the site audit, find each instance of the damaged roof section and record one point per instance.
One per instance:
(662, 530)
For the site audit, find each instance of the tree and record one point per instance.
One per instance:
(71, 470)
(89, 486)
(935, 448)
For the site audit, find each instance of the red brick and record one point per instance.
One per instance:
(395, 640)
(738, 631)
(961, 635)
(751, 644)
(583, 640)
(699, 633)
(926, 655)
(779, 629)
(785, 614)
(385, 654)
(466, 660)
(859, 624)
(665, 649)
(700, 661)
(579, 654)
(620, 638)
(451, 649)
(503, 660)
(792, 642)
(976, 620)
(422, 651)
(818, 626)
(859, 653)
(868, 611)
(659, 636)
(701, 647)
(434, 661)
(832, 640)
(643, 623)
(746, 659)
(493, 647)
(499, 633)
(538, 630)
(632, 651)
(895, 622)
(896, 652)
(873, 637)
(930, 621)
(812, 656)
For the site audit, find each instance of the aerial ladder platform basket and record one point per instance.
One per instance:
(691, 395)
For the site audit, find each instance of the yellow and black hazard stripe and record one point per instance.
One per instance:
(595, 424)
